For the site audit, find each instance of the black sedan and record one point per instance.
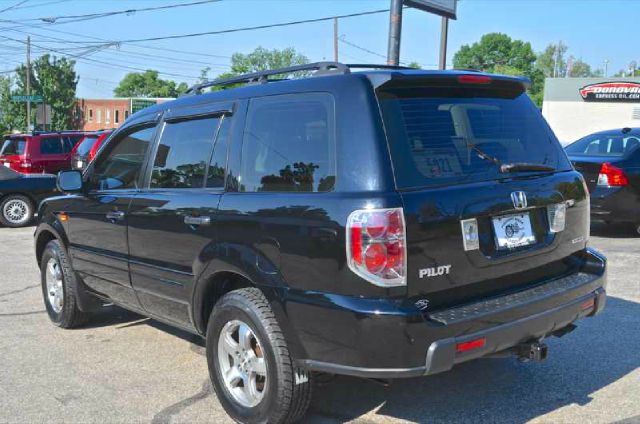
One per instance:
(20, 195)
(610, 163)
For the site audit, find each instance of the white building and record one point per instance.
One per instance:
(575, 107)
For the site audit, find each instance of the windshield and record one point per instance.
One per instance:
(442, 137)
(611, 145)
(13, 146)
(86, 144)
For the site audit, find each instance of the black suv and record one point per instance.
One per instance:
(384, 223)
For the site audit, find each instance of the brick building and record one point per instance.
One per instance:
(96, 114)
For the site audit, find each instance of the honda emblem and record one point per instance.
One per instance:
(519, 199)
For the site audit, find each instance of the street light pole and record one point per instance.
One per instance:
(28, 82)
(444, 32)
(335, 39)
(395, 30)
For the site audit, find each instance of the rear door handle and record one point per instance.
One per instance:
(115, 216)
(197, 220)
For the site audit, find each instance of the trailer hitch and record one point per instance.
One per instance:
(534, 350)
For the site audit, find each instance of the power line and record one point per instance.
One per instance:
(6, 9)
(39, 4)
(251, 28)
(89, 16)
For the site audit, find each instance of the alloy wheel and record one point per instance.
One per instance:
(55, 291)
(242, 364)
(16, 211)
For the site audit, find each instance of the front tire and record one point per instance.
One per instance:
(250, 366)
(58, 287)
(16, 211)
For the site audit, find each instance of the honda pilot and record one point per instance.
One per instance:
(380, 223)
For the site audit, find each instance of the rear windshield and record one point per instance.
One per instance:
(611, 145)
(86, 144)
(441, 136)
(13, 146)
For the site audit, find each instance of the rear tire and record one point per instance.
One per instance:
(58, 287)
(278, 391)
(16, 211)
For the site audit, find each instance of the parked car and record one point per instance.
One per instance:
(610, 163)
(86, 149)
(386, 223)
(38, 153)
(20, 195)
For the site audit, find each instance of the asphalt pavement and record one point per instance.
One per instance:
(124, 368)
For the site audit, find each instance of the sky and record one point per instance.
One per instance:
(594, 31)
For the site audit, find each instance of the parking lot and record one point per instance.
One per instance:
(124, 368)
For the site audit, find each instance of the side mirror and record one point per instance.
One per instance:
(69, 181)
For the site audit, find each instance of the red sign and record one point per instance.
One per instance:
(619, 91)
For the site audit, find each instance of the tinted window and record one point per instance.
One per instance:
(604, 145)
(86, 144)
(449, 136)
(119, 165)
(289, 144)
(51, 146)
(183, 153)
(218, 164)
(13, 146)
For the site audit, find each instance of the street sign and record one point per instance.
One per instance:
(33, 98)
(446, 8)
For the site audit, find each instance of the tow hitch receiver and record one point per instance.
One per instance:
(532, 351)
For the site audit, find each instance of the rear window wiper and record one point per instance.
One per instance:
(521, 166)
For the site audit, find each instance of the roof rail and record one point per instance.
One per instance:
(320, 68)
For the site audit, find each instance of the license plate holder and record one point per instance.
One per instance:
(513, 231)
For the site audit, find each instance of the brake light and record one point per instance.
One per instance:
(612, 176)
(474, 79)
(376, 246)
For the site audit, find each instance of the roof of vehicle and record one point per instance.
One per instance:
(256, 83)
(624, 131)
(44, 133)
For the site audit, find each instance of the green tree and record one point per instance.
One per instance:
(260, 59)
(148, 84)
(52, 78)
(551, 61)
(498, 53)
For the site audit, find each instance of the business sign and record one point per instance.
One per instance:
(619, 91)
(439, 7)
(33, 98)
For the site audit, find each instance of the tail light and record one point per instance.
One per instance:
(376, 246)
(612, 176)
(557, 215)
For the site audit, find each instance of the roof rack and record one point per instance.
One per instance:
(320, 68)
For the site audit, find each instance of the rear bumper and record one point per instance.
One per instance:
(397, 342)
(615, 204)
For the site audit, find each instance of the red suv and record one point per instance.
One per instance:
(39, 152)
(87, 148)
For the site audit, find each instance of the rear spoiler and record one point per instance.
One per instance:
(449, 79)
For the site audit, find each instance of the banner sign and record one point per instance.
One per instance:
(618, 91)
(439, 7)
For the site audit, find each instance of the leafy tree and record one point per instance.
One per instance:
(583, 69)
(52, 78)
(498, 53)
(148, 84)
(414, 65)
(260, 59)
(552, 61)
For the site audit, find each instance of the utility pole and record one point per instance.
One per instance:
(28, 82)
(444, 32)
(335, 39)
(606, 64)
(395, 30)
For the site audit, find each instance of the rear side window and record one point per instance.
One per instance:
(183, 153)
(51, 146)
(289, 144)
(13, 146)
(86, 144)
(218, 163)
(615, 145)
(447, 136)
